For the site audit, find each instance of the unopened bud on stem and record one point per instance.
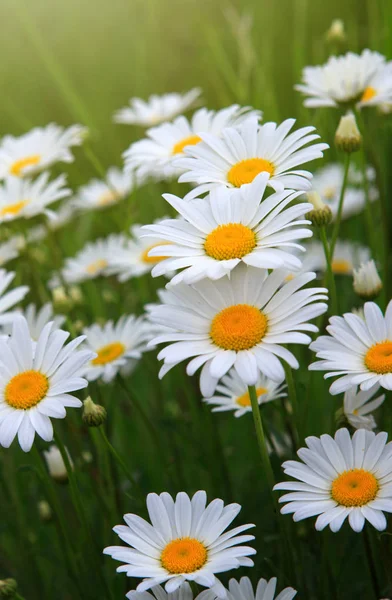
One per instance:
(8, 588)
(348, 137)
(321, 214)
(93, 414)
(366, 282)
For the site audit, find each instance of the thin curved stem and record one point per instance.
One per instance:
(336, 228)
(331, 277)
(118, 459)
(261, 440)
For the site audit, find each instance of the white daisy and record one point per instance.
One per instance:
(228, 227)
(56, 465)
(232, 393)
(184, 592)
(11, 248)
(352, 79)
(357, 350)
(341, 477)
(117, 346)
(26, 198)
(38, 149)
(155, 156)
(357, 406)
(240, 322)
(265, 590)
(238, 155)
(100, 194)
(37, 318)
(366, 280)
(9, 299)
(157, 109)
(184, 542)
(346, 257)
(35, 381)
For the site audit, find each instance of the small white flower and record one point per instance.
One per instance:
(347, 256)
(157, 109)
(56, 466)
(101, 194)
(357, 406)
(265, 590)
(9, 299)
(367, 283)
(341, 478)
(184, 592)
(38, 149)
(185, 542)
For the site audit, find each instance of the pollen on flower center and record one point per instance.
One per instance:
(341, 267)
(244, 400)
(152, 259)
(246, 170)
(354, 488)
(379, 358)
(13, 209)
(26, 389)
(109, 197)
(29, 161)
(368, 94)
(108, 353)
(233, 240)
(191, 140)
(96, 266)
(238, 327)
(184, 555)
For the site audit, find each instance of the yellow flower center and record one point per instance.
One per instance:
(341, 267)
(354, 488)
(96, 266)
(152, 259)
(17, 167)
(233, 240)
(108, 353)
(13, 209)
(378, 358)
(368, 94)
(25, 390)
(109, 197)
(191, 140)
(246, 170)
(244, 400)
(238, 327)
(184, 555)
(329, 192)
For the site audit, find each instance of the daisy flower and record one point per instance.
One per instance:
(242, 322)
(185, 542)
(56, 466)
(228, 227)
(155, 156)
(36, 380)
(9, 299)
(26, 198)
(11, 248)
(357, 350)
(100, 194)
(265, 590)
(157, 109)
(346, 257)
(37, 318)
(118, 347)
(366, 280)
(357, 406)
(352, 79)
(184, 592)
(341, 478)
(238, 155)
(38, 149)
(232, 393)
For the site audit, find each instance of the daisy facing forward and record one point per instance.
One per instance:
(36, 380)
(358, 406)
(358, 351)
(38, 149)
(233, 394)
(341, 478)
(265, 590)
(157, 109)
(117, 347)
(185, 541)
(349, 80)
(242, 322)
(101, 194)
(239, 155)
(228, 227)
(9, 299)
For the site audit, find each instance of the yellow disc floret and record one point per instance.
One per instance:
(13, 209)
(379, 358)
(244, 400)
(246, 170)
(26, 389)
(191, 140)
(341, 267)
(144, 257)
(29, 161)
(184, 555)
(238, 327)
(109, 353)
(233, 240)
(356, 487)
(96, 266)
(368, 94)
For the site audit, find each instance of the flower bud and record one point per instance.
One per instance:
(56, 467)
(60, 299)
(366, 281)
(44, 511)
(8, 588)
(93, 414)
(321, 214)
(87, 457)
(336, 33)
(75, 293)
(348, 137)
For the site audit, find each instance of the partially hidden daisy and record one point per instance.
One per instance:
(26, 198)
(157, 592)
(227, 227)
(99, 194)
(265, 590)
(36, 379)
(38, 149)
(9, 299)
(157, 109)
(154, 156)
(358, 351)
(11, 248)
(185, 541)
(240, 322)
(358, 406)
(339, 478)
(350, 80)
(118, 346)
(37, 318)
(232, 394)
(346, 257)
(239, 154)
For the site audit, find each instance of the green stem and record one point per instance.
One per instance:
(331, 278)
(95, 162)
(336, 228)
(371, 564)
(261, 440)
(292, 394)
(118, 459)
